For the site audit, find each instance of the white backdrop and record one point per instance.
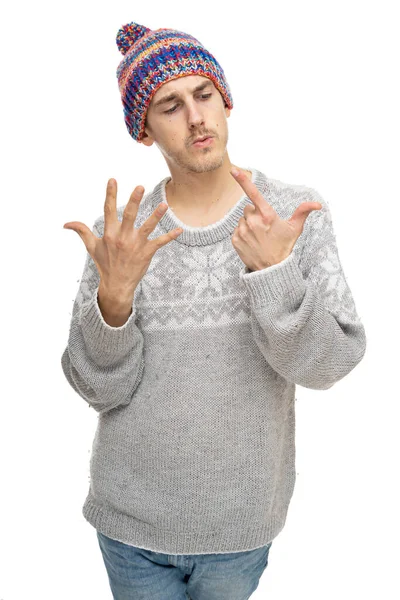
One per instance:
(315, 87)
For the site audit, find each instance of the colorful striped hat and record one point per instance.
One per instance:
(152, 58)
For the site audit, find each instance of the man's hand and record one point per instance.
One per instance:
(123, 255)
(262, 238)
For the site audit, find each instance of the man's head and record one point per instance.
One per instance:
(159, 61)
(181, 111)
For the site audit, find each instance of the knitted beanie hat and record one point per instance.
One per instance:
(152, 58)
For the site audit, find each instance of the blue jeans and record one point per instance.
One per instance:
(138, 574)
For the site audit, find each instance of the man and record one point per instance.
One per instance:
(202, 304)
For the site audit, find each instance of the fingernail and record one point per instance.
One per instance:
(234, 171)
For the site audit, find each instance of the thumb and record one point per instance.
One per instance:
(87, 236)
(301, 213)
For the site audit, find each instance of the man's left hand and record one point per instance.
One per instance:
(262, 238)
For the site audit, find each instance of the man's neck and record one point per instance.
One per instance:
(199, 195)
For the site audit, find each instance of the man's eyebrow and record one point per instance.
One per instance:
(175, 95)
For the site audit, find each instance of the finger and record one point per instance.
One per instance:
(253, 220)
(150, 223)
(302, 211)
(242, 227)
(131, 210)
(164, 239)
(88, 237)
(249, 210)
(110, 205)
(253, 193)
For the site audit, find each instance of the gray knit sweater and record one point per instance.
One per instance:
(194, 450)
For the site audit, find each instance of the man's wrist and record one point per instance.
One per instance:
(116, 308)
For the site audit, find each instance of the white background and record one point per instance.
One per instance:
(316, 103)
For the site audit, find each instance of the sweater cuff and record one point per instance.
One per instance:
(282, 282)
(100, 338)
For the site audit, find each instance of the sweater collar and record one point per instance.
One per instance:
(202, 236)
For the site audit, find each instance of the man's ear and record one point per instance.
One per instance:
(227, 111)
(147, 140)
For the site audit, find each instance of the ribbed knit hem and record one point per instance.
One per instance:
(101, 339)
(281, 282)
(127, 529)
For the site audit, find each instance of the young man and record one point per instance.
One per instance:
(201, 306)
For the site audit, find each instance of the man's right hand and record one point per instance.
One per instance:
(123, 255)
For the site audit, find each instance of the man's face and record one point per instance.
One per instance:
(176, 122)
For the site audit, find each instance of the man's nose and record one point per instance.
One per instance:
(195, 116)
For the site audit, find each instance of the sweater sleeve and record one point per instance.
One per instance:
(303, 315)
(103, 364)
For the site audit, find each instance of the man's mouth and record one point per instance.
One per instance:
(205, 140)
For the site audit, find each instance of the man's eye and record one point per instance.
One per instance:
(171, 110)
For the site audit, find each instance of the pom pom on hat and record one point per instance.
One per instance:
(129, 34)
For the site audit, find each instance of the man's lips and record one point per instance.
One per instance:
(207, 140)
